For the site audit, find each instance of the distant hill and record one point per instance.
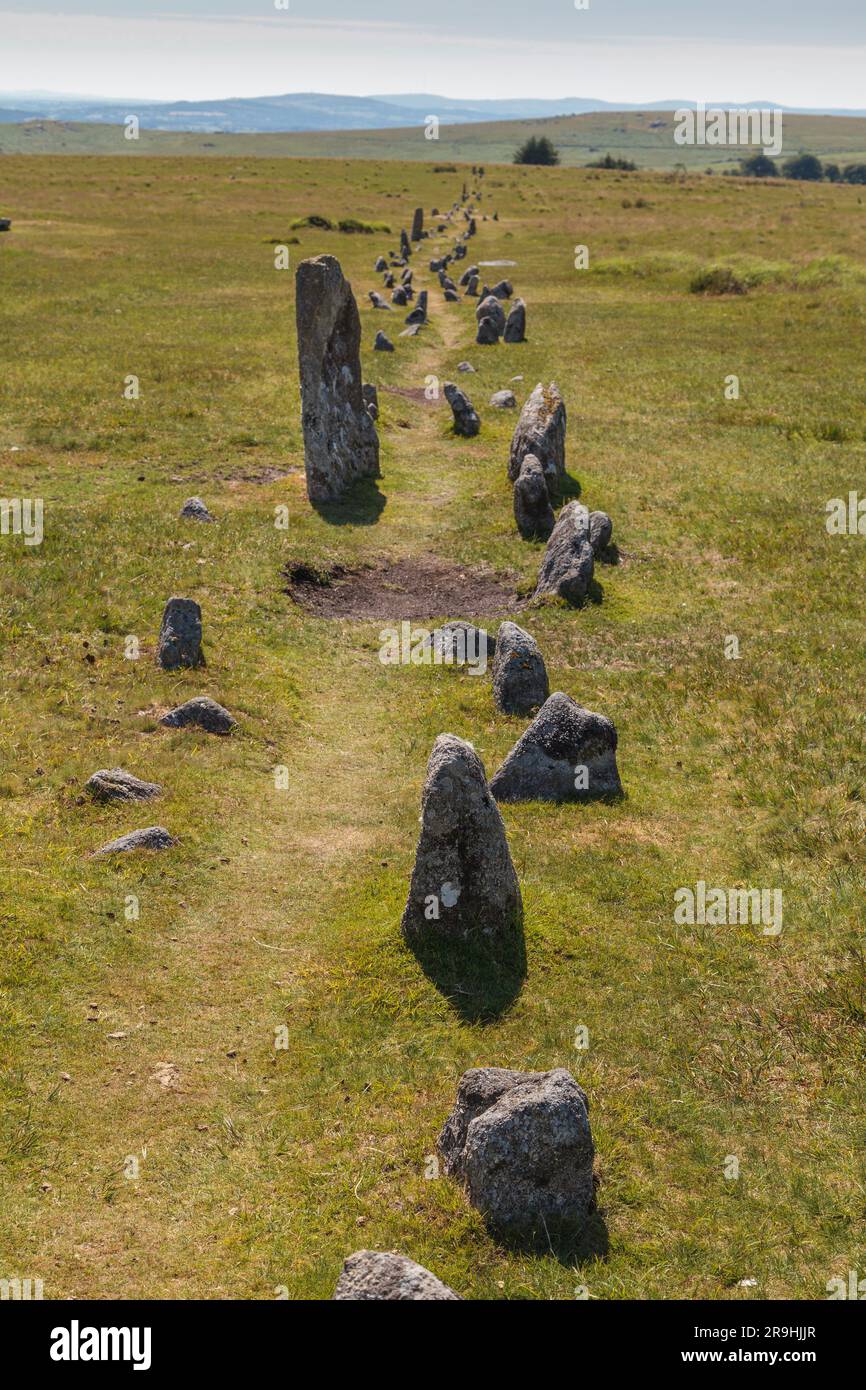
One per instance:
(646, 137)
(312, 111)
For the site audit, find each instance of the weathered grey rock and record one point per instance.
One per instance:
(515, 326)
(372, 1276)
(490, 308)
(382, 343)
(504, 290)
(400, 296)
(519, 674)
(600, 532)
(405, 247)
(154, 837)
(472, 287)
(113, 784)
(340, 440)
(462, 644)
(388, 281)
(532, 510)
(195, 509)
(504, 400)
(568, 564)
(419, 313)
(488, 334)
(541, 431)
(406, 277)
(567, 754)
(459, 253)
(465, 367)
(412, 331)
(467, 275)
(417, 224)
(451, 297)
(378, 302)
(180, 635)
(204, 712)
(521, 1145)
(381, 265)
(466, 421)
(463, 882)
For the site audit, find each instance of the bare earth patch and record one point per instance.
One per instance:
(422, 587)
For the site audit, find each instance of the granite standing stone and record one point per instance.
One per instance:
(567, 754)
(340, 440)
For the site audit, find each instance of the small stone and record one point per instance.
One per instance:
(460, 643)
(504, 290)
(487, 335)
(600, 532)
(521, 1145)
(113, 784)
(154, 837)
(201, 711)
(465, 367)
(180, 635)
(466, 421)
(382, 344)
(532, 510)
(377, 301)
(567, 754)
(490, 308)
(370, 1276)
(568, 564)
(381, 265)
(520, 683)
(419, 313)
(504, 400)
(195, 509)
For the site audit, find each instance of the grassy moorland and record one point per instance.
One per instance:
(645, 137)
(153, 1037)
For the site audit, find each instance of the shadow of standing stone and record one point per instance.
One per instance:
(464, 915)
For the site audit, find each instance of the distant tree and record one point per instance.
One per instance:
(832, 172)
(537, 150)
(610, 162)
(854, 173)
(805, 167)
(759, 166)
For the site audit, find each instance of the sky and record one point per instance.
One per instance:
(794, 52)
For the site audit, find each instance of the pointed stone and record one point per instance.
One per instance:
(180, 635)
(114, 784)
(567, 754)
(382, 344)
(371, 1276)
(521, 1145)
(487, 335)
(541, 431)
(568, 564)
(417, 224)
(195, 510)
(202, 711)
(340, 440)
(519, 675)
(463, 883)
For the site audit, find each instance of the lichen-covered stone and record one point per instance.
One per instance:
(568, 753)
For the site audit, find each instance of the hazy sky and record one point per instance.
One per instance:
(796, 52)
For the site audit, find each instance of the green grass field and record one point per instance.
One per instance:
(647, 138)
(260, 1169)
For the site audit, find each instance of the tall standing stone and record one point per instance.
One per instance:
(417, 224)
(463, 883)
(180, 635)
(569, 562)
(541, 431)
(340, 440)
